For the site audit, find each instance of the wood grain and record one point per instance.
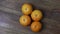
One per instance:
(10, 11)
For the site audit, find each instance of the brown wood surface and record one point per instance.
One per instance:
(10, 11)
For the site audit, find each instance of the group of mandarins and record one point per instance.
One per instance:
(36, 16)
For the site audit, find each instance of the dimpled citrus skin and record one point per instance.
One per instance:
(26, 9)
(36, 26)
(25, 20)
(36, 15)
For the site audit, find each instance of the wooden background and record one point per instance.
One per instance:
(10, 11)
